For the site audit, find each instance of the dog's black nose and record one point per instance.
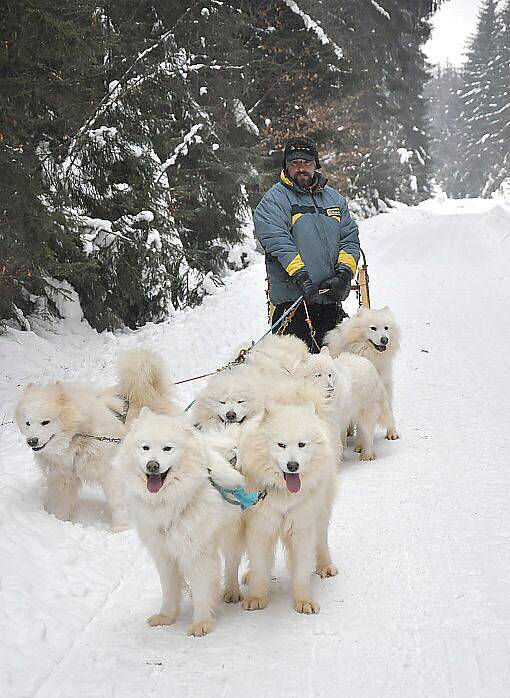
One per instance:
(292, 466)
(231, 415)
(384, 341)
(33, 441)
(152, 467)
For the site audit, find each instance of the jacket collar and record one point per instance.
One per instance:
(318, 184)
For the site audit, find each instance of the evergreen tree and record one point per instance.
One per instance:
(478, 103)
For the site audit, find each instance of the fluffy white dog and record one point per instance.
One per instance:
(356, 394)
(73, 431)
(373, 334)
(277, 354)
(288, 455)
(166, 465)
(230, 397)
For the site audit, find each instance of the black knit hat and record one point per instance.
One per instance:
(300, 147)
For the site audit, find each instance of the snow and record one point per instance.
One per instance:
(311, 25)
(242, 118)
(380, 9)
(421, 606)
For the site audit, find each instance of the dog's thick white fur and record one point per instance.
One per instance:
(278, 353)
(230, 397)
(288, 454)
(180, 517)
(59, 420)
(373, 334)
(356, 394)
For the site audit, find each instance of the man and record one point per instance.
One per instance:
(311, 244)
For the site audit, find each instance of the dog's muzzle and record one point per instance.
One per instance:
(155, 478)
(33, 443)
(381, 347)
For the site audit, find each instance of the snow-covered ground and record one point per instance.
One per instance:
(421, 607)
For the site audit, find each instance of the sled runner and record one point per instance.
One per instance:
(360, 284)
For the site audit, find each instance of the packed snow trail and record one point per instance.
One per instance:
(421, 605)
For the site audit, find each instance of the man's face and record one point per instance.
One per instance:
(301, 172)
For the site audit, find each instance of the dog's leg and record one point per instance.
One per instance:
(261, 544)
(301, 546)
(62, 495)
(366, 431)
(233, 548)
(204, 579)
(112, 489)
(171, 584)
(387, 420)
(324, 566)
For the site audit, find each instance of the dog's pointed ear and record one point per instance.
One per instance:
(145, 411)
(310, 407)
(270, 408)
(325, 350)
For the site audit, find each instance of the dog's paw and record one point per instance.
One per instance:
(254, 603)
(232, 596)
(307, 606)
(326, 570)
(160, 619)
(392, 435)
(367, 455)
(202, 627)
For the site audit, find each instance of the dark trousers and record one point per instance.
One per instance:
(323, 316)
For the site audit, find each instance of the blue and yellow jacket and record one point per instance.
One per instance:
(299, 228)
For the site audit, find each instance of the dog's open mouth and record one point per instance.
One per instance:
(40, 448)
(293, 482)
(155, 481)
(380, 347)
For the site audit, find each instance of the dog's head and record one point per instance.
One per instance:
(293, 435)
(157, 451)
(231, 396)
(46, 416)
(320, 370)
(380, 329)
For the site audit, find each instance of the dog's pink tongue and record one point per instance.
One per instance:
(154, 483)
(293, 482)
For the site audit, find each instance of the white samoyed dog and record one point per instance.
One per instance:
(230, 397)
(355, 394)
(167, 465)
(373, 334)
(277, 354)
(74, 429)
(288, 455)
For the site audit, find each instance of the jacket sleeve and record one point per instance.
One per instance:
(348, 254)
(272, 230)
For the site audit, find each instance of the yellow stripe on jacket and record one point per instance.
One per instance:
(296, 264)
(347, 259)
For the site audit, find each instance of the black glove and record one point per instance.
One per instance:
(339, 285)
(306, 286)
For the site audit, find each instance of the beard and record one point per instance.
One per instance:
(303, 179)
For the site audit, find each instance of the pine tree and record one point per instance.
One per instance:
(478, 103)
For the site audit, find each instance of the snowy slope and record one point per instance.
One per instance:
(421, 607)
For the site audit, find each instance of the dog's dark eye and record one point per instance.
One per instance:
(221, 402)
(373, 328)
(167, 448)
(27, 423)
(240, 402)
(329, 375)
(145, 448)
(318, 375)
(301, 444)
(386, 328)
(282, 445)
(45, 422)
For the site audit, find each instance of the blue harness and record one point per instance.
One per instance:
(238, 495)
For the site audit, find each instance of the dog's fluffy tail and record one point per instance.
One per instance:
(142, 382)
